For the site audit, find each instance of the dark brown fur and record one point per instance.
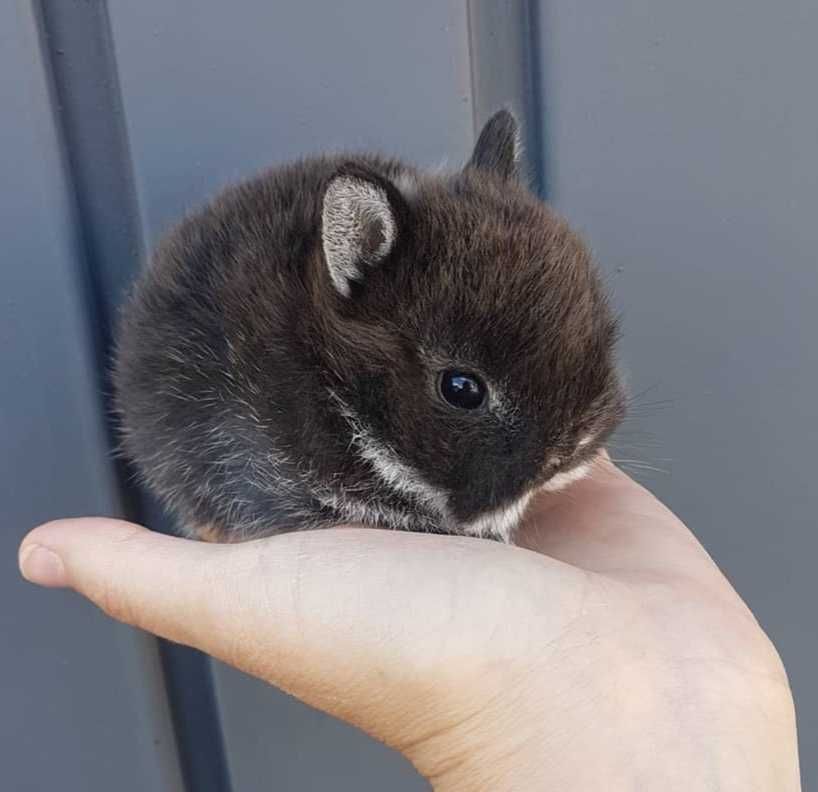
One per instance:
(249, 386)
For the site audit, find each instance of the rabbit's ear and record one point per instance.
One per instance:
(498, 147)
(358, 228)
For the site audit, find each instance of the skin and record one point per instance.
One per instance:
(607, 652)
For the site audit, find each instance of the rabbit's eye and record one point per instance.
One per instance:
(462, 389)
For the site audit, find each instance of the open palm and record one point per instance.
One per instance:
(605, 652)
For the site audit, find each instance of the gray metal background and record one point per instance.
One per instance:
(680, 137)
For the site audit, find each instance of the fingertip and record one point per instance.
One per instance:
(42, 566)
(605, 470)
(603, 462)
(41, 557)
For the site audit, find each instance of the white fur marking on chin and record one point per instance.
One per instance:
(400, 477)
(395, 474)
(500, 522)
(367, 513)
(562, 480)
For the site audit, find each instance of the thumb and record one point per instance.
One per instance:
(319, 614)
(155, 582)
(287, 609)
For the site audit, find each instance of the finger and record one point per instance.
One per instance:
(134, 575)
(608, 523)
(320, 614)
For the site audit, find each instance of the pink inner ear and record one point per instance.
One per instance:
(357, 227)
(373, 237)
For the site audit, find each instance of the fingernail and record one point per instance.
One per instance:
(42, 566)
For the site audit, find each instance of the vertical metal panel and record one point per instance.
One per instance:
(83, 704)
(87, 99)
(505, 71)
(683, 140)
(78, 45)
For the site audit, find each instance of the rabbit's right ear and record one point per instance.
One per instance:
(358, 227)
(498, 148)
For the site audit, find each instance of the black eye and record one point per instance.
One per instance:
(461, 389)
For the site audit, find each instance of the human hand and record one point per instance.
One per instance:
(607, 652)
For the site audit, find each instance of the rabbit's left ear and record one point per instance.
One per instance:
(358, 228)
(498, 147)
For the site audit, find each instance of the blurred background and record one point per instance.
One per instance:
(680, 138)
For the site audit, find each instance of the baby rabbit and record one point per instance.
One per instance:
(350, 339)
